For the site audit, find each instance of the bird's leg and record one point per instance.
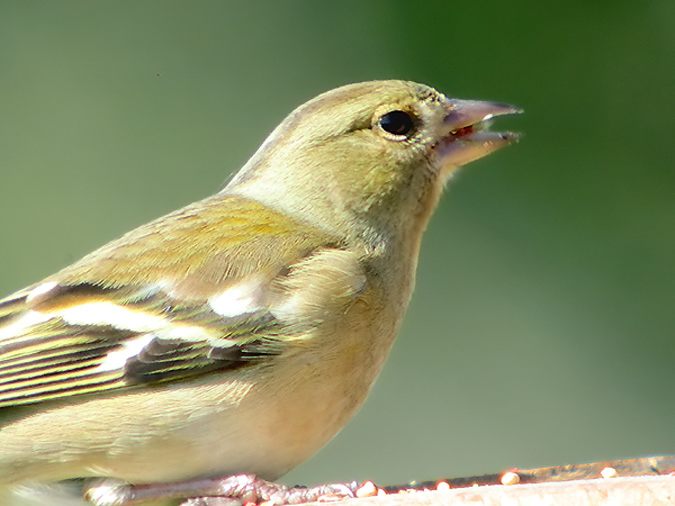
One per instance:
(229, 490)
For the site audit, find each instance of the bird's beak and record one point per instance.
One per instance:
(465, 131)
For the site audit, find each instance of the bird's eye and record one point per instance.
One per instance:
(398, 123)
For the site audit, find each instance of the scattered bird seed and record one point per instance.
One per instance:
(442, 486)
(367, 489)
(510, 478)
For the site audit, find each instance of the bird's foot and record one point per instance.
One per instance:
(249, 489)
(225, 491)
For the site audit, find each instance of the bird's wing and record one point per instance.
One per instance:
(204, 289)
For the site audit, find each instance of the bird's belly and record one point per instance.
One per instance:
(286, 415)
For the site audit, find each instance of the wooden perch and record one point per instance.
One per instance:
(640, 491)
(635, 482)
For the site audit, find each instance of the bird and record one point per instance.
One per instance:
(228, 341)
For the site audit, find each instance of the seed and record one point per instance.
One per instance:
(510, 478)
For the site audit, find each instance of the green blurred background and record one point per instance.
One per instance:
(542, 328)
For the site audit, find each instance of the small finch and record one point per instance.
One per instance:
(223, 344)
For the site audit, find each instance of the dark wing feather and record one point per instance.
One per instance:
(53, 358)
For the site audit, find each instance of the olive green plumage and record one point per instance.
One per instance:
(240, 333)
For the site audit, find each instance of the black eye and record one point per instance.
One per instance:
(397, 123)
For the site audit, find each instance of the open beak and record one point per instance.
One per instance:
(468, 137)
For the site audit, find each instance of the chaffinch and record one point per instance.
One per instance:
(240, 333)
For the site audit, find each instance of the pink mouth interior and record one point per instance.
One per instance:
(462, 132)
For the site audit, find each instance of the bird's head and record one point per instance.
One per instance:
(370, 158)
